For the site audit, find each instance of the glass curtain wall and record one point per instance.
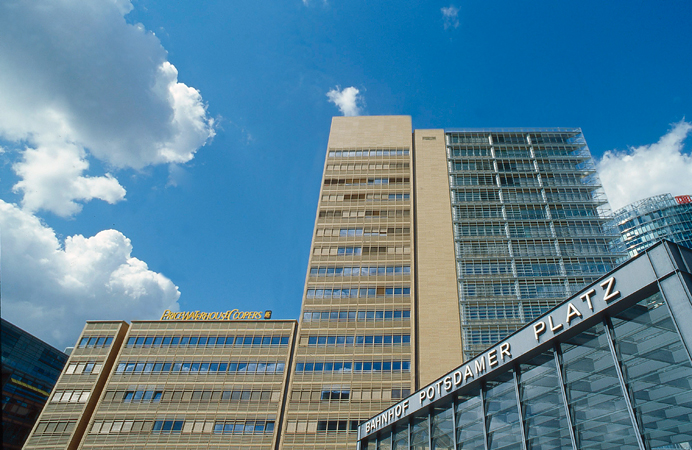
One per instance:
(624, 383)
(643, 223)
(528, 211)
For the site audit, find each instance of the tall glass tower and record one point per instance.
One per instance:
(528, 211)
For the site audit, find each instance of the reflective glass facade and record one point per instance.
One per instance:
(647, 221)
(617, 377)
(30, 369)
(528, 210)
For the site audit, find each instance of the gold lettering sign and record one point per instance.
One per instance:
(231, 314)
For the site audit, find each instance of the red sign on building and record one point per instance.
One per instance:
(682, 199)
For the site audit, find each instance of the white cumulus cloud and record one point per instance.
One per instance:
(450, 14)
(641, 172)
(76, 80)
(51, 288)
(52, 180)
(349, 101)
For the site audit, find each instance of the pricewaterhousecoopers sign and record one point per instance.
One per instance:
(586, 305)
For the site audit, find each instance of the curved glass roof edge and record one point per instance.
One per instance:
(620, 288)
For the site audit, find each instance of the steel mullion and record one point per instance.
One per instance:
(515, 374)
(558, 366)
(454, 422)
(623, 386)
(430, 416)
(485, 422)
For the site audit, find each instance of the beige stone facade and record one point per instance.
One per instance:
(439, 328)
(65, 417)
(355, 354)
(173, 384)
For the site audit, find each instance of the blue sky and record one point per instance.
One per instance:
(159, 154)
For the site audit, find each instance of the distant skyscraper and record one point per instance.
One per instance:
(30, 368)
(643, 223)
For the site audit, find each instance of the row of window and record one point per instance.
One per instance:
(522, 289)
(188, 396)
(142, 396)
(70, 396)
(322, 426)
(359, 315)
(95, 342)
(365, 250)
(200, 367)
(57, 427)
(367, 153)
(242, 427)
(485, 337)
(364, 181)
(367, 166)
(517, 152)
(84, 367)
(174, 426)
(344, 394)
(363, 196)
(355, 366)
(358, 271)
(359, 292)
(535, 268)
(390, 339)
(206, 341)
(367, 214)
(357, 232)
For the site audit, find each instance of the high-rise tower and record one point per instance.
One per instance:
(528, 211)
(355, 351)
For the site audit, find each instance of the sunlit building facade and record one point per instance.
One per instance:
(428, 246)
(607, 368)
(528, 211)
(188, 384)
(643, 223)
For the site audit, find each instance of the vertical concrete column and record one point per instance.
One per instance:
(437, 303)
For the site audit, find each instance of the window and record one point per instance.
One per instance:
(78, 368)
(357, 366)
(95, 342)
(359, 315)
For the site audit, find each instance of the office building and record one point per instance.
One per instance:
(607, 368)
(30, 368)
(207, 383)
(643, 223)
(449, 240)
(429, 246)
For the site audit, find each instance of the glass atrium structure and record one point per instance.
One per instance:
(643, 223)
(608, 368)
(528, 211)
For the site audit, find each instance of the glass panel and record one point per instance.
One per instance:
(384, 442)
(419, 432)
(469, 417)
(502, 414)
(599, 412)
(442, 428)
(544, 410)
(400, 438)
(657, 371)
